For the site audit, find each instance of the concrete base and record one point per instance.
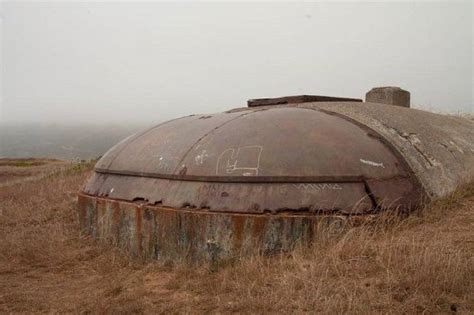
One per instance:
(187, 235)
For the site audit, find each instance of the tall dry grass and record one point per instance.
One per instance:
(421, 264)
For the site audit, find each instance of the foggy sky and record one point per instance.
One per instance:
(154, 61)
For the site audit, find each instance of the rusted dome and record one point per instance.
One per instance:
(258, 159)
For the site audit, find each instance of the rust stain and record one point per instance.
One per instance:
(238, 230)
(148, 235)
(99, 203)
(116, 219)
(138, 225)
(82, 202)
(258, 230)
(190, 231)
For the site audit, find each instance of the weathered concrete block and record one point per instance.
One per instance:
(391, 95)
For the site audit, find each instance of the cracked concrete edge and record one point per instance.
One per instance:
(438, 148)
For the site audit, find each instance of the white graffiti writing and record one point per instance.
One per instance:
(244, 161)
(317, 187)
(372, 163)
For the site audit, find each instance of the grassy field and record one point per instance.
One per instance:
(20, 170)
(423, 264)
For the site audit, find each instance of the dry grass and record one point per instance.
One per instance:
(423, 264)
(18, 170)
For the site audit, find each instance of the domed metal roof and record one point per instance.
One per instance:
(257, 159)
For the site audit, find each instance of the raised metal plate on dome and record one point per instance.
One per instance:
(298, 99)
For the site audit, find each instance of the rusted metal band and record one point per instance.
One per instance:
(245, 179)
(283, 214)
(156, 232)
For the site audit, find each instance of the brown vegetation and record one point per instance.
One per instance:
(18, 170)
(423, 264)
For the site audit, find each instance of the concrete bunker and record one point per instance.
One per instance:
(270, 175)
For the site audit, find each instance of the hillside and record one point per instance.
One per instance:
(422, 264)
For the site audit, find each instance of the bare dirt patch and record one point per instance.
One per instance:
(423, 264)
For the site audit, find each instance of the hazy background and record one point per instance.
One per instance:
(127, 65)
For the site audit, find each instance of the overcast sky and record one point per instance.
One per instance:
(155, 61)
